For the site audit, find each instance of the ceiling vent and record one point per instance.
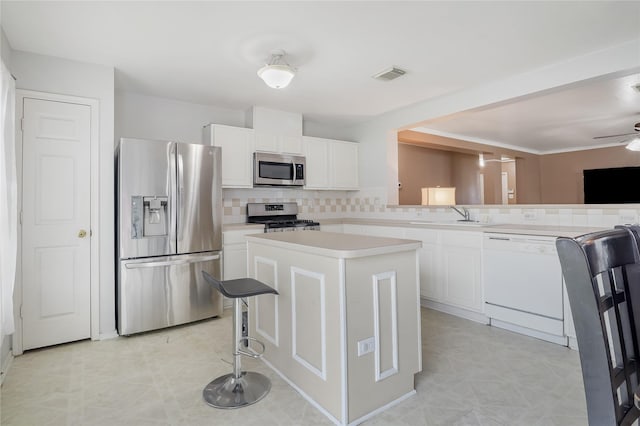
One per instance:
(389, 74)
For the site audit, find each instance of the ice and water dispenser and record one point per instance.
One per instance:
(149, 216)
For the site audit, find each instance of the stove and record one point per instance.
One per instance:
(279, 217)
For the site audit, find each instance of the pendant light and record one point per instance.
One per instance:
(277, 74)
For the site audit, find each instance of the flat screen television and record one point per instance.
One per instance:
(612, 186)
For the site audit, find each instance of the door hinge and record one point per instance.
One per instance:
(21, 311)
(90, 232)
(22, 124)
(20, 217)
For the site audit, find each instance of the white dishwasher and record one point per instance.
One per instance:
(523, 285)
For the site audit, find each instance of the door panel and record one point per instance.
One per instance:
(164, 291)
(146, 169)
(199, 198)
(56, 208)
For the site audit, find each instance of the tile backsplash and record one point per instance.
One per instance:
(369, 203)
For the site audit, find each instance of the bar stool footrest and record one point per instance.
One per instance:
(250, 352)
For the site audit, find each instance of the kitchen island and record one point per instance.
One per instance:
(345, 327)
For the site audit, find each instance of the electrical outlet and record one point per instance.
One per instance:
(530, 215)
(366, 346)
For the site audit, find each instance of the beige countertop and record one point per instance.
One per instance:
(242, 227)
(505, 228)
(333, 244)
(544, 230)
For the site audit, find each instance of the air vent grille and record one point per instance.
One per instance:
(389, 74)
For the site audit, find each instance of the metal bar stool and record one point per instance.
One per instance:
(239, 388)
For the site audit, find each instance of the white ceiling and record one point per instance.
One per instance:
(209, 52)
(563, 120)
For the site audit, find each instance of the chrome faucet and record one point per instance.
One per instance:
(464, 213)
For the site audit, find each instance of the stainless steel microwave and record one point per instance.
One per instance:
(278, 169)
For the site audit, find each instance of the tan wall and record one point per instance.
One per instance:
(561, 174)
(510, 169)
(465, 174)
(420, 167)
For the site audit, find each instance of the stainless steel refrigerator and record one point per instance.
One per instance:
(169, 229)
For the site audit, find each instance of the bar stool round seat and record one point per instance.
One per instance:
(238, 388)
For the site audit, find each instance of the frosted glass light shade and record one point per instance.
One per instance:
(439, 196)
(634, 144)
(276, 76)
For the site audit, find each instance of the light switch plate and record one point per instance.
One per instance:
(366, 346)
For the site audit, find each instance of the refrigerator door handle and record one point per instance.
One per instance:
(171, 262)
(180, 195)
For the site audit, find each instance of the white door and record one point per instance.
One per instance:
(56, 220)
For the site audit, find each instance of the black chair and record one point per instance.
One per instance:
(602, 276)
(239, 388)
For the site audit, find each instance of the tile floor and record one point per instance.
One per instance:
(473, 375)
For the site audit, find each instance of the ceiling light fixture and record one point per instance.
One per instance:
(277, 73)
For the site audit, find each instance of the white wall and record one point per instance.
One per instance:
(5, 49)
(150, 117)
(5, 341)
(61, 76)
(377, 136)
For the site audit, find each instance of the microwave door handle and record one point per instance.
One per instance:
(295, 177)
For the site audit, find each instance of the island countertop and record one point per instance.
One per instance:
(337, 245)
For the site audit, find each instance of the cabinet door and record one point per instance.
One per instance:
(237, 155)
(344, 165)
(291, 144)
(316, 151)
(267, 142)
(461, 274)
(234, 261)
(429, 258)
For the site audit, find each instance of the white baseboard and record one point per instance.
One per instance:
(383, 408)
(552, 338)
(110, 335)
(453, 310)
(4, 369)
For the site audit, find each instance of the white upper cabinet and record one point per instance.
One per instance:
(343, 164)
(316, 152)
(277, 131)
(278, 143)
(237, 145)
(331, 164)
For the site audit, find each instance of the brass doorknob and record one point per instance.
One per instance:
(82, 233)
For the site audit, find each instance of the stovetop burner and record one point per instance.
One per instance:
(278, 217)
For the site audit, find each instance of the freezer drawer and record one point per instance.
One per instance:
(164, 291)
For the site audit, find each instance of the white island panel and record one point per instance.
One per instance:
(337, 291)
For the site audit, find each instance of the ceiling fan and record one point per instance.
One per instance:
(636, 127)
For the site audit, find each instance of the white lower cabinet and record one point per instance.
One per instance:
(429, 258)
(234, 252)
(462, 277)
(450, 268)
